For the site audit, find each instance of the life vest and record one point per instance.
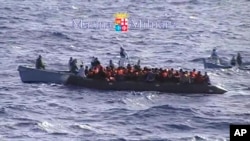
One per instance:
(131, 70)
(108, 73)
(90, 73)
(164, 74)
(194, 74)
(120, 72)
(136, 73)
(111, 78)
(199, 79)
(177, 75)
(126, 71)
(96, 70)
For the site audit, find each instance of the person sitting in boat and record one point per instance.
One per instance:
(198, 78)
(150, 76)
(111, 64)
(206, 79)
(95, 62)
(101, 73)
(233, 61)
(239, 59)
(39, 63)
(81, 71)
(86, 71)
(74, 68)
(123, 58)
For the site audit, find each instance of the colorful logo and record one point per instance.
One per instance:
(121, 22)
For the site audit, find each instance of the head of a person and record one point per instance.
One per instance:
(81, 66)
(214, 49)
(40, 57)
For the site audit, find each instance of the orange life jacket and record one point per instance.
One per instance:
(164, 74)
(120, 72)
(96, 70)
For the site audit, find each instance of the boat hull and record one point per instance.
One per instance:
(31, 75)
(212, 65)
(144, 86)
(245, 68)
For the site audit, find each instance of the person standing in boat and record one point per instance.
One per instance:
(239, 59)
(124, 57)
(70, 62)
(233, 61)
(215, 57)
(39, 63)
(214, 54)
(81, 71)
(74, 68)
(111, 64)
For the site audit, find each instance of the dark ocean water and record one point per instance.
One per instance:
(56, 112)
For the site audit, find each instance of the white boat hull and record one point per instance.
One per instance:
(32, 75)
(215, 65)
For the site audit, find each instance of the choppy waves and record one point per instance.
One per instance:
(51, 112)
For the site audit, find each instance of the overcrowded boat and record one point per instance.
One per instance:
(122, 78)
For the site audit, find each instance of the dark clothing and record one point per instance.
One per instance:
(39, 64)
(207, 80)
(95, 63)
(86, 71)
(233, 62)
(122, 54)
(101, 74)
(239, 60)
(150, 77)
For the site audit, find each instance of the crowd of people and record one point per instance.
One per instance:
(131, 73)
(136, 73)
